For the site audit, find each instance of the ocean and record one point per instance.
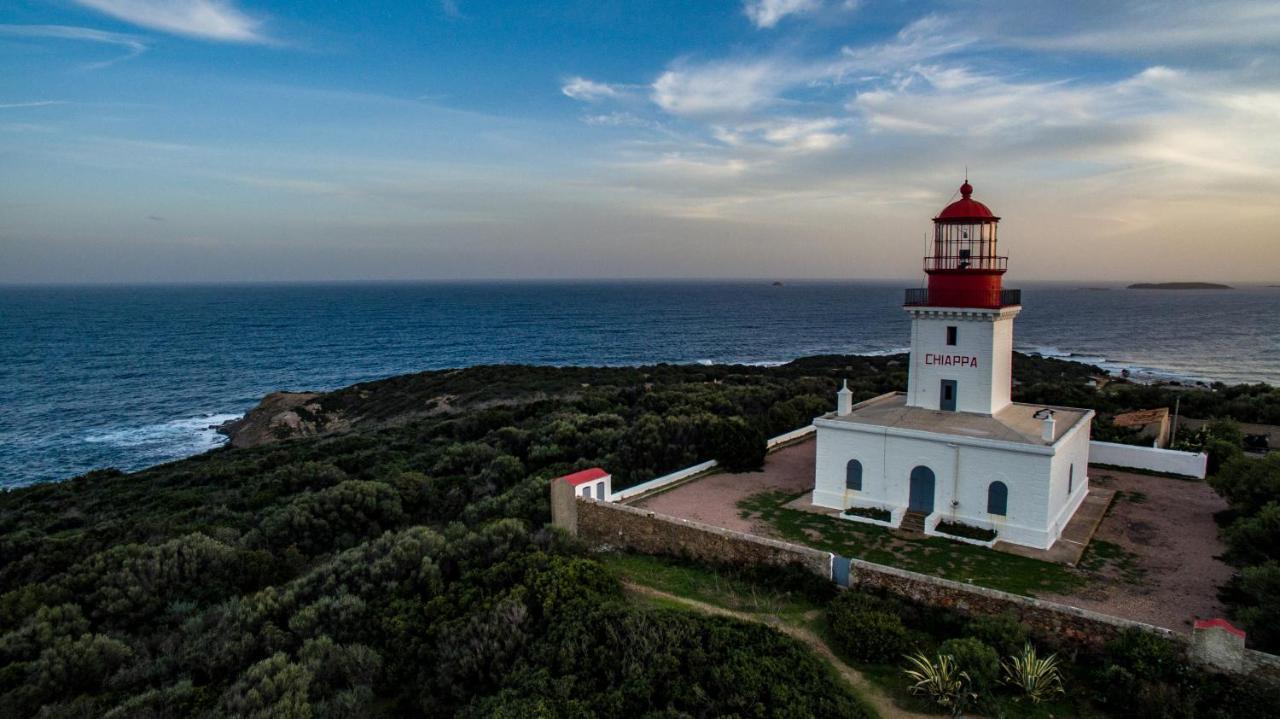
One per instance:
(129, 377)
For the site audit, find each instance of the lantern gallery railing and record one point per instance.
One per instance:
(923, 297)
(966, 262)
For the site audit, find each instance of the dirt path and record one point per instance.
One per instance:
(870, 693)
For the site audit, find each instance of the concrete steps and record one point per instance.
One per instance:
(913, 522)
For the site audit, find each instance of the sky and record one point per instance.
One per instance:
(245, 140)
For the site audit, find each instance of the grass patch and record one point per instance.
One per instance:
(934, 555)
(1102, 556)
(727, 587)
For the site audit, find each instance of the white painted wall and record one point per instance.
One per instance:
(599, 489)
(662, 481)
(962, 473)
(1190, 464)
(984, 335)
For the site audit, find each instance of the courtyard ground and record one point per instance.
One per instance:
(1153, 558)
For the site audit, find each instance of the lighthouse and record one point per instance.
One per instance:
(962, 322)
(953, 453)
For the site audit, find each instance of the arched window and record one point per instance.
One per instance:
(998, 498)
(853, 475)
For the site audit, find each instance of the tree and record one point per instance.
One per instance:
(737, 445)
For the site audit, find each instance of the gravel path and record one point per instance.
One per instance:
(714, 499)
(1167, 526)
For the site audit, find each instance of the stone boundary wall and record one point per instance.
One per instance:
(625, 527)
(1188, 464)
(619, 526)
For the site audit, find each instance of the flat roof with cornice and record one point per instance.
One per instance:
(1015, 423)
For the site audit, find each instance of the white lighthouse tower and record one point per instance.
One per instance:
(962, 322)
(953, 448)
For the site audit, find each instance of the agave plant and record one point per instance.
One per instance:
(941, 681)
(1038, 677)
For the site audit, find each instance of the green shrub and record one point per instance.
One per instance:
(968, 531)
(737, 445)
(1144, 676)
(1002, 631)
(865, 628)
(979, 661)
(1037, 678)
(942, 681)
(1260, 615)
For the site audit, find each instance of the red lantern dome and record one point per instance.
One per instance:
(966, 208)
(963, 266)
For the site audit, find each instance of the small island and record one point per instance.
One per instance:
(1179, 286)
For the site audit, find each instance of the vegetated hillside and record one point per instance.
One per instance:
(400, 567)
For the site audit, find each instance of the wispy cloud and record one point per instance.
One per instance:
(580, 88)
(767, 13)
(204, 19)
(723, 88)
(34, 103)
(134, 45)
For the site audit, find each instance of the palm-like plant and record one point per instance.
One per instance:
(1038, 677)
(941, 681)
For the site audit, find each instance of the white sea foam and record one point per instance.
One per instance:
(173, 438)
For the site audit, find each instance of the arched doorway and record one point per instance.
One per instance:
(920, 498)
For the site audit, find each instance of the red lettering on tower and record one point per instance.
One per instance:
(951, 360)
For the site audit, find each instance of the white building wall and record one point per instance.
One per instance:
(1070, 479)
(1191, 464)
(984, 341)
(1039, 505)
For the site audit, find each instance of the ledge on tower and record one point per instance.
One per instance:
(990, 299)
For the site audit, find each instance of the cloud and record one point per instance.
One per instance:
(621, 119)
(204, 19)
(134, 45)
(767, 13)
(580, 88)
(1135, 28)
(723, 88)
(792, 135)
(35, 103)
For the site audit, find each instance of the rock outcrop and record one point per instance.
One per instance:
(283, 415)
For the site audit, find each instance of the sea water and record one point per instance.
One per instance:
(128, 377)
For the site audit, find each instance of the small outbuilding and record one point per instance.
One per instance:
(1152, 424)
(593, 483)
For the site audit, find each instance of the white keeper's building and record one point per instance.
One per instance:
(953, 447)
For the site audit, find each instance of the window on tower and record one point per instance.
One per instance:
(952, 335)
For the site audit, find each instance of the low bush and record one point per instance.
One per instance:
(1003, 632)
(879, 514)
(942, 680)
(979, 661)
(1144, 676)
(866, 628)
(968, 531)
(1038, 678)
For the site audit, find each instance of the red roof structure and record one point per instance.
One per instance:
(586, 475)
(1219, 624)
(966, 209)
